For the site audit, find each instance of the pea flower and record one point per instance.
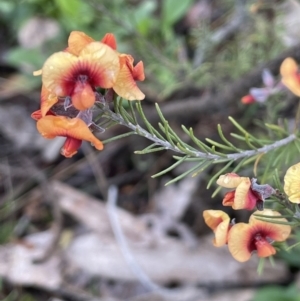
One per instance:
(292, 183)
(74, 129)
(257, 235)
(125, 84)
(247, 194)
(262, 94)
(219, 222)
(290, 75)
(67, 75)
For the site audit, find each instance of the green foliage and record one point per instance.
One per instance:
(233, 156)
(172, 12)
(278, 293)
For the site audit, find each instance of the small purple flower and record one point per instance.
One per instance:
(262, 94)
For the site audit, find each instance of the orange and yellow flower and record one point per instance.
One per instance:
(125, 84)
(65, 74)
(74, 129)
(292, 183)
(242, 197)
(219, 222)
(290, 75)
(72, 77)
(257, 235)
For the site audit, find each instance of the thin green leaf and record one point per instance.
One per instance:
(185, 173)
(247, 140)
(201, 169)
(118, 137)
(276, 128)
(199, 143)
(185, 150)
(187, 159)
(170, 168)
(225, 140)
(242, 130)
(217, 144)
(143, 152)
(132, 112)
(216, 191)
(126, 116)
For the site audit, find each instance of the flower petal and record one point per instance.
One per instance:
(70, 147)
(277, 232)
(83, 96)
(230, 180)
(244, 198)
(36, 115)
(53, 126)
(48, 100)
(228, 199)
(268, 78)
(264, 249)
(292, 183)
(110, 40)
(290, 76)
(239, 238)
(288, 67)
(125, 85)
(247, 99)
(104, 63)
(37, 72)
(260, 94)
(138, 71)
(219, 222)
(77, 41)
(57, 76)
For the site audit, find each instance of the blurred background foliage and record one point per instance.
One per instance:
(180, 50)
(184, 47)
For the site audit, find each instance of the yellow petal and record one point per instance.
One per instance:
(77, 41)
(290, 76)
(230, 180)
(219, 222)
(292, 183)
(239, 238)
(57, 71)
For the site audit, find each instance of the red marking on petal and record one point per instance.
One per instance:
(251, 200)
(37, 115)
(70, 147)
(228, 199)
(244, 197)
